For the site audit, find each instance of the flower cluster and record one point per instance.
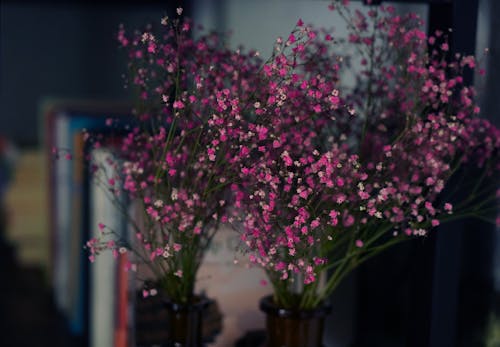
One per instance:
(319, 174)
(178, 163)
(345, 172)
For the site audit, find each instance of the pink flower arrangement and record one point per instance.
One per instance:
(179, 162)
(344, 173)
(319, 176)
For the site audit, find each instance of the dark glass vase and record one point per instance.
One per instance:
(185, 323)
(289, 328)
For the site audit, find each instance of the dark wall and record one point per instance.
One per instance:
(64, 50)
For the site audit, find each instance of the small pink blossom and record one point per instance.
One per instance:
(315, 223)
(348, 220)
(178, 104)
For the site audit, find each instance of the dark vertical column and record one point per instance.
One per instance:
(490, 107)
(476, 286)
(461, 16)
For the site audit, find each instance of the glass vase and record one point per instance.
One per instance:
(185, 323)
(293, 328)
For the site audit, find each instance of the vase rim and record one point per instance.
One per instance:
(199, 303)
(267, 305)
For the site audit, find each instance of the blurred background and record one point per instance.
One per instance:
(440, 292)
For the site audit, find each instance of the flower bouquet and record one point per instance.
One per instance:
(344, 172)
(320, 174)
(177, 163)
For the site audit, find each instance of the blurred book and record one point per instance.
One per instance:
(68, 199)
(108, 278)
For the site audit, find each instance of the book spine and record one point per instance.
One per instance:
(103, 270)
(122, 304)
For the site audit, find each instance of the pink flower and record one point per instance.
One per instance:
(348, 220)
(262, 132)
(429, 181)
(304, 194)
(333, 214)
(178, 104)
(359, 243)
(244, 151)
(315, 223)
(286, 158)
(211, 154)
